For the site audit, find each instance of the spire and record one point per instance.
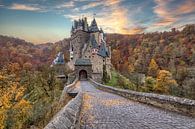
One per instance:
(85, 24)
(94, 27)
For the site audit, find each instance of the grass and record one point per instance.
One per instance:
(119, 81)
(114, 80)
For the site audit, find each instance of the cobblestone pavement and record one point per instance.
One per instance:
(102, 110)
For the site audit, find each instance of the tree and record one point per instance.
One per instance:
(105, 78)
(153, 68)
(165, 82)
(14, 108)
(27, 66)
(116, 58)
(130, 68)
(149, 84)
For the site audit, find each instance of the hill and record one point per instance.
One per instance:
(137, 57)
(18, 50)
(143, 55)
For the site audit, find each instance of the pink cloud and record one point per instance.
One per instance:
(16, 6)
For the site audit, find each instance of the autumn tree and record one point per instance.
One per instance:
(149, 84)
(131, 68)
(14, 108)
(165, 82)
(153, 68)
(116, 58)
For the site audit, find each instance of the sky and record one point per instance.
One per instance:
(41, 21)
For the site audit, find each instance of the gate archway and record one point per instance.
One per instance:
(83, 75)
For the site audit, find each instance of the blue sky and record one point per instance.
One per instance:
(41, 21)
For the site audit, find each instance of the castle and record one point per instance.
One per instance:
(87, 44)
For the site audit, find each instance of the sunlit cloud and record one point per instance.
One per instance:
(187, 7)
(66, 5)
(164, 13)
(171, 15)
(112, 17)
(102, 3)
(16, 6)
(91, 5)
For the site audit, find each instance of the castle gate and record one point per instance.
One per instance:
(83, 69)
(82, 75)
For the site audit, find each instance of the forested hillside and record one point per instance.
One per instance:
(29, 89)
(14, 50)
(160, 62)
(165, 60)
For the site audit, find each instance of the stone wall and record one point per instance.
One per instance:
(88, 69)
(67, 89)
(97, 77)
(180, 105)
(68, 117)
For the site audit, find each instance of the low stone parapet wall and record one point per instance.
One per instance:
(68, 117)
(180, 105)
(67, 89)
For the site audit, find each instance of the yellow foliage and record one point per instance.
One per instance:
(2, 118)
(164, 81)
(130, 68)
(11, 100)
(153, 68)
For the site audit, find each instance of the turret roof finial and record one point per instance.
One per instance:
(94, 15)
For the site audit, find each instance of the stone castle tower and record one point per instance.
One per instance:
(88, 42)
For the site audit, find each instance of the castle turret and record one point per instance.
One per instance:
(85, 24)
(94, 27)
(72, 30)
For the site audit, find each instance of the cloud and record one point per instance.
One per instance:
(137, 30)
(1, 5)
(102, 3)
(91, 5)
(66, 5)
(187, 7)
(164, 13)
(16, 6)
(170, 15)
(112, 17)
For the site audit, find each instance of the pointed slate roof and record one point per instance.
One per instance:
(103, 50)
(94, 27)
(59, 59)
(93, 41)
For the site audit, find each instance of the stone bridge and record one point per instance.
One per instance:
(97, 106)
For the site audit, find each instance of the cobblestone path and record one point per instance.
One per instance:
(102, 110)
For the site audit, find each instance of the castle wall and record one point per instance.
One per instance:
(82, 49)
(78, 40)
(88, 69)
(96, 60)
